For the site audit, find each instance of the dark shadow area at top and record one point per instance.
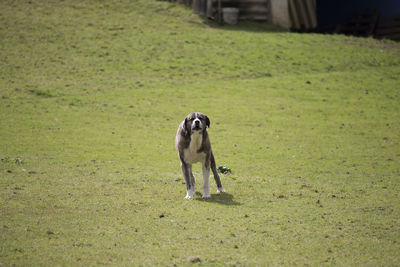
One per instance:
(248, 26)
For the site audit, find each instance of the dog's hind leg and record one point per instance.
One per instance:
(216, 176)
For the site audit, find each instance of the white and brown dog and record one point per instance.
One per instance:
(193, 145)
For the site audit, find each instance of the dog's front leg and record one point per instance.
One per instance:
(187, 173)
(192, 180)
(206, 183)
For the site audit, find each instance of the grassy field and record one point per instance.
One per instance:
(92, 92)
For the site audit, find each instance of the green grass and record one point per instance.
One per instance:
(92, 92)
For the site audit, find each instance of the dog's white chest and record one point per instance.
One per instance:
(190, 154)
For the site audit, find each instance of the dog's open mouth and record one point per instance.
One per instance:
(196, 128)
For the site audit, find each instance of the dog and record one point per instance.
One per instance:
(193, 145)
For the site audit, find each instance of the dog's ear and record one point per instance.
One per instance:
(185, 130)
(207, 122)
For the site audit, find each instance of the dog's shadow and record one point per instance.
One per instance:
(221, 198)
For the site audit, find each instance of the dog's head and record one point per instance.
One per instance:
(196, 121)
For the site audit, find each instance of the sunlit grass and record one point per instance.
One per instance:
(91, 94)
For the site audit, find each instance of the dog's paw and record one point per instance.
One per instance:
(189, 194)
(220, 190)
(206, 195)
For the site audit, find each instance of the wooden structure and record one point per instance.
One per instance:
(248, 9)
(303, 14)
(389, 29)
(300, 15)
(362, 23)
(290, 14)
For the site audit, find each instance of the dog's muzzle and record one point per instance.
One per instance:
(196, 126)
